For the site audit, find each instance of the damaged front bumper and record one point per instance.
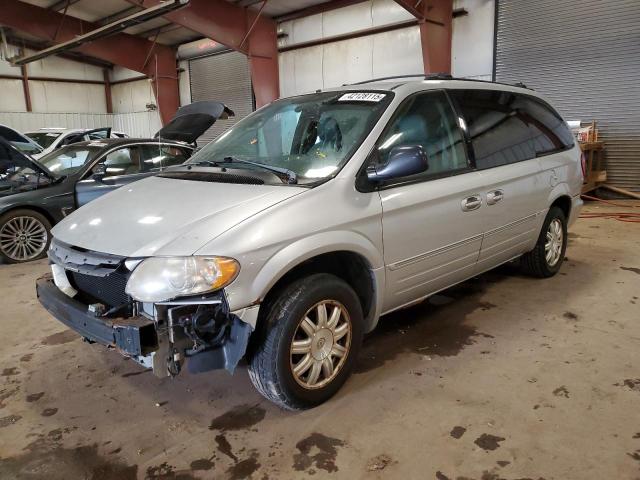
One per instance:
(200, 332)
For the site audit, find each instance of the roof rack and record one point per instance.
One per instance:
(438, 76)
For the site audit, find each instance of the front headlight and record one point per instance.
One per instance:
(157, 279)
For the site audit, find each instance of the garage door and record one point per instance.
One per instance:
(223, 77)
(582, 54)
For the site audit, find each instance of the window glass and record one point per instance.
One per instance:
(68, 159)
(312, 135)
(98, 135)
(155, 157)
(124, 161)
(549, 132)
(497, 125)
(426, 120)
(44, 139)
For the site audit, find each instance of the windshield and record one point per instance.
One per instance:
(22, 143)
(68, 160)
(311, 135)
(44, 139)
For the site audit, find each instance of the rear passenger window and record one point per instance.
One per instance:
(426, 120)
(499, 130)
(549, 132)
(507, 127)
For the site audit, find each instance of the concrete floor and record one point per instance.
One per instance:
(503, 377)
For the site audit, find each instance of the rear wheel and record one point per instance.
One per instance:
(24, 236)
(309, 344)
(547, 256)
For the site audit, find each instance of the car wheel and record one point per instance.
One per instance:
(548, 254)
(309, 342)
(24, 236)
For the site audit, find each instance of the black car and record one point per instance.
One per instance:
(36, 194)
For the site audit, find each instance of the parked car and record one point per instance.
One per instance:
(286, 238)
(52, 138)
(21, 142)
(34, 195)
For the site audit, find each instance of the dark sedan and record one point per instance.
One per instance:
(34, 195)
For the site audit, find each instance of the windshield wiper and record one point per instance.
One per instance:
(292, 177)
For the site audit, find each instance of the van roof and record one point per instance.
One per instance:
(430, 81)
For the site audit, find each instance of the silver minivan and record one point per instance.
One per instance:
(287, 238)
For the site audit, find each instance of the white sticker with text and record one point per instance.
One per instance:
(361, 97)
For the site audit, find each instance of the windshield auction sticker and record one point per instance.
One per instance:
(362, 97)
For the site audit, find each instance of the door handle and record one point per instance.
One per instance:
(494, 197)
(471, 203)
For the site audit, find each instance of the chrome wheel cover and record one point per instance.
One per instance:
(555, 240)
(23, 238)
(320, 344)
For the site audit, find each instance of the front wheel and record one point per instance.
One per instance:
(546, 257)
(24, 236)
(308, 346)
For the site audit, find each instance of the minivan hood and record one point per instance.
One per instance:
(165, 216)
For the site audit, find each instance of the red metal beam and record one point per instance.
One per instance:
(435, 31)
(107, 91)
(229, 24)
(25, 87)
(121, 49)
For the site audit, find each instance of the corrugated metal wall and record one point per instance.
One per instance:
(585, 56)
(135, 124)
(223, 77)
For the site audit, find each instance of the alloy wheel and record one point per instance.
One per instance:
(320, 344)
(555, 240)
(23, 238)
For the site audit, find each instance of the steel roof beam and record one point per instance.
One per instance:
(156, 61)
(241, 29)
(435, 18)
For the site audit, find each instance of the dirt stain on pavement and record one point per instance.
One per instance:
(49, 412)
(561, 392)
(434, 327)
(325, 452)
(224, 447)
(245, 468)
(5, 394)
(238, 418)
(27, 357)
(202, 464)
(631, 383)
(379, 462)
(34, 397)
(164, 471)
(60, 338)
(9, 372)
(570, 316)
(457, 432)
(488, 442)
(57, 463)
(631, 269)
(9, 420)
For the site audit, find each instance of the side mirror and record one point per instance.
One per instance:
(99, 172)
(404, 161)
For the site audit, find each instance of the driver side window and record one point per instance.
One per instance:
(124, 161)
(426, 120)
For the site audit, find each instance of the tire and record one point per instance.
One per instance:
(536, 262)
(35, 229)
(272, 362)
